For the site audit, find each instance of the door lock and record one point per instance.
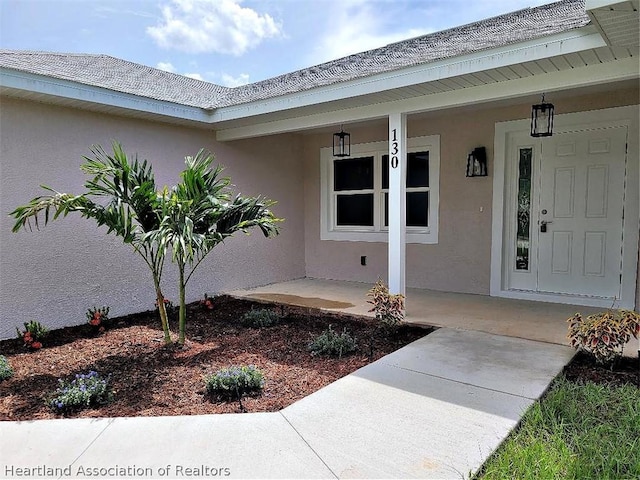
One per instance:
(543, 226)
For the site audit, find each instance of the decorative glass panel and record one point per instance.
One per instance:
(417, 209)
(523, 237)
(353, 174)
(354, 210)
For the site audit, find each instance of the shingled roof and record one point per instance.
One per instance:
(116, 74)
(523, 25)
(132, 78)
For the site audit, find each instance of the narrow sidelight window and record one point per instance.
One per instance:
(523, 237)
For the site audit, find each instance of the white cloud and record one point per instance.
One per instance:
(229, 81)
(222, 26)
(195, 76)
(166, 66)
(356, 27)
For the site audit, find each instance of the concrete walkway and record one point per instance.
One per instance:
(436, 408)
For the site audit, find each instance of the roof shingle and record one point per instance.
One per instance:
(128, 77)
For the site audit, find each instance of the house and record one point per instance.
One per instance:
(556, 218)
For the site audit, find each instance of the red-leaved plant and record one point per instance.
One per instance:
(98, 318)
(33, 334)
(388, 308)
(604, 334)
(207, 302)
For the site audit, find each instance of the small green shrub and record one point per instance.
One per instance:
(604, 334)
(84, 391)
(33, 334)
(235, 381)
(332, 344)
(260, 318)
(5, 368)
(388, 308)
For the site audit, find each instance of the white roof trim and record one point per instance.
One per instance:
(97, 95)
(561, 80)
(567, 42)
(559, 44)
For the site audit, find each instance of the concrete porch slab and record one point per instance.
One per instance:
(540, 321)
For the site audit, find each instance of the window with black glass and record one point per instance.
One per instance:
(354, 191)
(354, 203)
(417, 189)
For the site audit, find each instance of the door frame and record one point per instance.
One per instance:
(502, 189)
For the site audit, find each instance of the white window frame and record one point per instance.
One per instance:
(378, 232)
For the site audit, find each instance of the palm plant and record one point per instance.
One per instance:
(131, 209)
(200, 213)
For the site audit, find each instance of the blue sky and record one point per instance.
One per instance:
(231, 42)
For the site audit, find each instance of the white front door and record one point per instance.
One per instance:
(564, 229)
(580, 207)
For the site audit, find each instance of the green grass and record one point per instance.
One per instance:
(574, 432)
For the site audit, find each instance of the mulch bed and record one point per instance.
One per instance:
(151, 379)
(626, 371)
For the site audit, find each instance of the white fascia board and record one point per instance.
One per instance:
(620, 70)
(102, 96)
(563, 43)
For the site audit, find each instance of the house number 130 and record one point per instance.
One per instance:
(394, 150)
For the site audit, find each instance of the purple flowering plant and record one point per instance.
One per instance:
(85, 390)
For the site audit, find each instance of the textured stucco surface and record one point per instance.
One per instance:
(460, 262)
(55, 274)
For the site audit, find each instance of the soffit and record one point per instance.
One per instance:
(617, 21)
(494, 76)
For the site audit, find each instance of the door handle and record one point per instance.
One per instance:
(543, 226)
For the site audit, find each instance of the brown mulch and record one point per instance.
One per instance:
(583, 368)
(151, 379)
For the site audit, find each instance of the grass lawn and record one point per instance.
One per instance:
(576, 431)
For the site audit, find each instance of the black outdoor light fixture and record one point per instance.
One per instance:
(477, 163)
(341, 144)
(542, 119)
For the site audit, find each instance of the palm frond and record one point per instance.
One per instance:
(58, 203)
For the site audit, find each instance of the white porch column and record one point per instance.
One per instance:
(397, 200)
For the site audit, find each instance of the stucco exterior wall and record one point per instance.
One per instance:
(55, 274)
(460, 262)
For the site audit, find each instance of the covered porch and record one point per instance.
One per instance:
(540, 321)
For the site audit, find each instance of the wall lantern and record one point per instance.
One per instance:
(542, 119)
(477, 163)
(341, 144)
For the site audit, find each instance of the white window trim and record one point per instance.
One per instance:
(328, 230)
